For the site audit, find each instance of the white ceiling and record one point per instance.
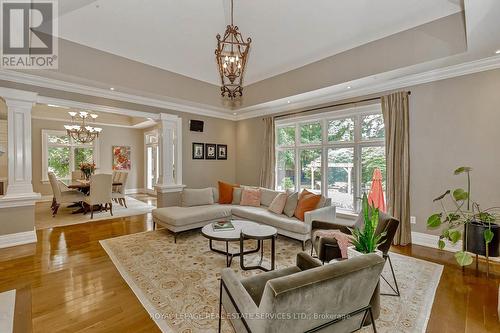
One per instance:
(179, 36)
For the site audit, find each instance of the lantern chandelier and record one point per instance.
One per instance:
(231, 55)
(79, 130)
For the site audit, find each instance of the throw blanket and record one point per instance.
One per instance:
(343, 240)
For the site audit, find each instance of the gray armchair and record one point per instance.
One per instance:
(307, 297)
(326, 248)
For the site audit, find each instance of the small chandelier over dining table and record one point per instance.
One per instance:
(79, 130)
(231, 55)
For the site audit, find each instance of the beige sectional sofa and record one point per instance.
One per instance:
(199, 207)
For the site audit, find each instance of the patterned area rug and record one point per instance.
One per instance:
(178, 283)
(64, 217)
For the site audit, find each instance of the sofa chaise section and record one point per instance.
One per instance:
(178, 219)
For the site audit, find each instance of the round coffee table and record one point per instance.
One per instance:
(229, 236)
(260, 233)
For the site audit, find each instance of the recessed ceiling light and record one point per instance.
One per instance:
(288, 102)
(497, 52)
(348, 87)
(112, 88)
(235, 113)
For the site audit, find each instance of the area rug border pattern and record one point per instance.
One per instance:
(135, 289)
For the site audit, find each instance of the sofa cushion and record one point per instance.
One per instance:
(250, 197)
(197, 197)
(267, 196)
(278, 204)
(291, 204)
(180, 216)
(307, 201)
(226, 193)
(236, 195)
(262, 215)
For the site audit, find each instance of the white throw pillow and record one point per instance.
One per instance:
(197, 197)
(278, 204)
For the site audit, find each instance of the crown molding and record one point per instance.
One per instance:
(169, 103)
(374, 84)
(377, 85)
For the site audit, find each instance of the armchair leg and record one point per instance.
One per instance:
(111, 208)
(220, 306)
(394, 288)
(373, 321)
(91, 212)
(124, 203)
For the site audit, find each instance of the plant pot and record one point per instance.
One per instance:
(475, 239)
(352, 252)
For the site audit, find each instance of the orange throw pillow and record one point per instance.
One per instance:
(307, 202)
(226, 193)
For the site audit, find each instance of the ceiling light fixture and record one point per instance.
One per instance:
(82, 132)
(231, 54)
(112, 89)
(348, 87)
(288, 102)
(497, 52)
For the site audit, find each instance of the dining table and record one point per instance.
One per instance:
(81, 185)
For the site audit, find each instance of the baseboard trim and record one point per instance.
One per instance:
(419, 238)
(135, 191)
(19, 238)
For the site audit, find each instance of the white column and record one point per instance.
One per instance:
(19, 104)
(170, 146)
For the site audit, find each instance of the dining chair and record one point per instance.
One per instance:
(118, 193)
(60, 197)
(100, 194)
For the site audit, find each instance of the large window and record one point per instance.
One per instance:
(62, 155)
(333, 153)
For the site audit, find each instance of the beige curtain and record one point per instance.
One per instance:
(395, 109)
(267, 166)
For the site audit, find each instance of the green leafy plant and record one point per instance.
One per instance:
(287, 183)
(464, 211)
(366, 241)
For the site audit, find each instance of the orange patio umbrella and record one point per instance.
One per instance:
(376, 197)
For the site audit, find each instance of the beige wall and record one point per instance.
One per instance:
(453, 122)
(203, 173)
(249, 139)
(110, 136)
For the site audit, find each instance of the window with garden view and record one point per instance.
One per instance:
(331, 154)
(62, 154)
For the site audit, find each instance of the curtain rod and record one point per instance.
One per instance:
(331, 106)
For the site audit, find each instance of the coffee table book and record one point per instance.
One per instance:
(222, 226)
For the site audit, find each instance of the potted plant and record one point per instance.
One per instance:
(366, 241)
(87, 169)
(466, 221)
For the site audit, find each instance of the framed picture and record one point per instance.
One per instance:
(198, 151)
(121, 158)
(210, 151)
(222, 152)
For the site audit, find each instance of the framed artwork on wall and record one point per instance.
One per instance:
(222, 152)
(210, 151)
(198, 151)
(121, 158)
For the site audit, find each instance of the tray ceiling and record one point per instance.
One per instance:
(179, 36)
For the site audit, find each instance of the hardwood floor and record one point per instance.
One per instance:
(76, 288)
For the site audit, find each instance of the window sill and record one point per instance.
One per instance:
(347, 215)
